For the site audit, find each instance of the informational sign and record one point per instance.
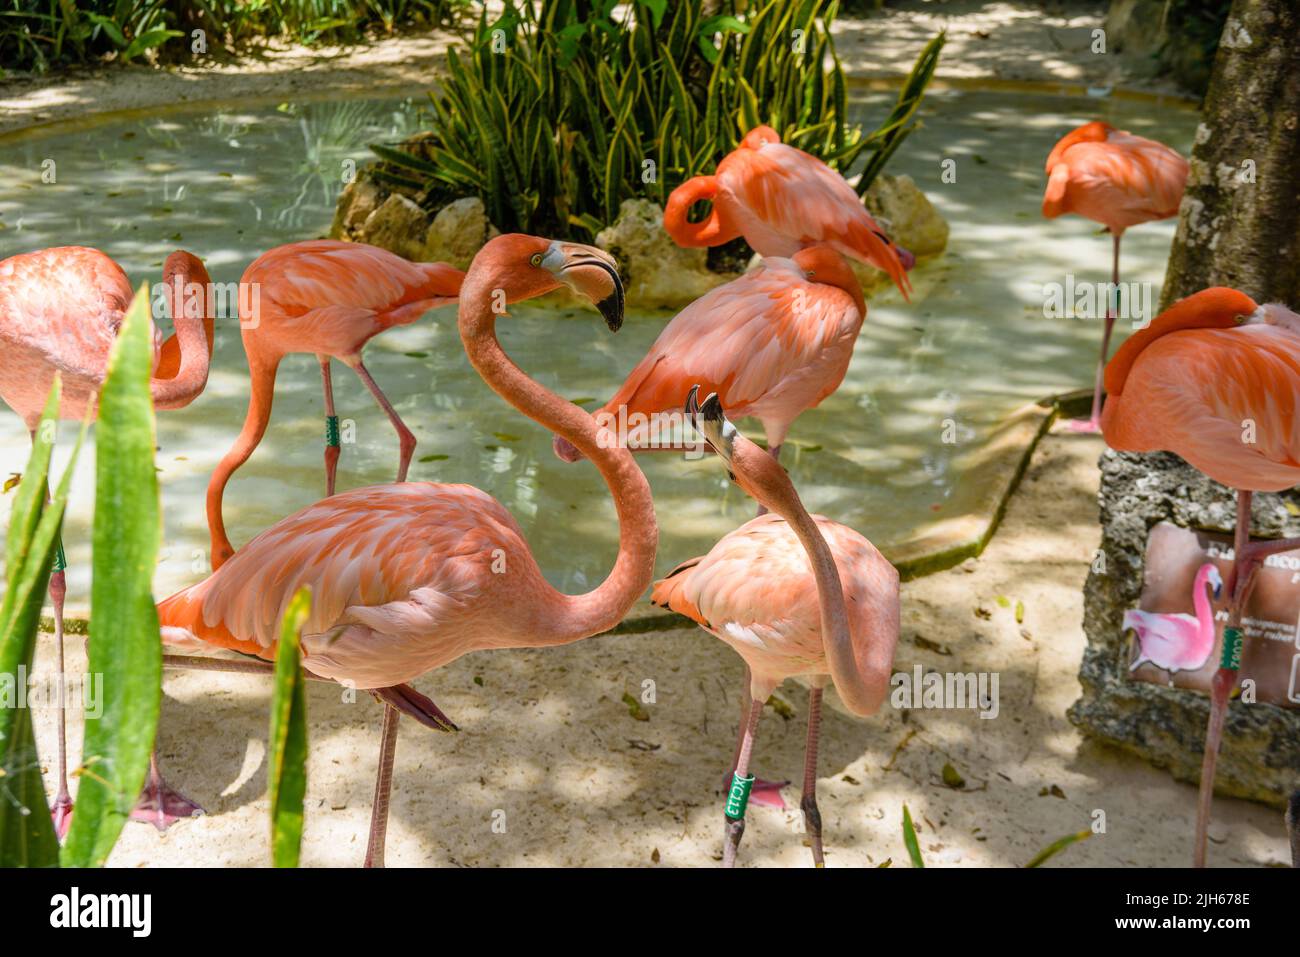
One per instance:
(1176, 632)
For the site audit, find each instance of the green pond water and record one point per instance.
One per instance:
(973, 346)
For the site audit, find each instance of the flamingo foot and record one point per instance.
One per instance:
(765, 793)
(61, 814)
(162, 805)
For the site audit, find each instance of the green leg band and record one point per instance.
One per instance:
(738, 797)
(332, 430)
(1232, 639)
(60, 560)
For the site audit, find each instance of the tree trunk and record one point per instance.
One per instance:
(1239, 223)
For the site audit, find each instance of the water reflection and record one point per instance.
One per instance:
(973, 345)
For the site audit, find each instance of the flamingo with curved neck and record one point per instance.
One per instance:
(753, 592)
(407, 577)
(1178, 642)
(60, 311)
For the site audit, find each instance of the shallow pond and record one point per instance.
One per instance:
(973, 346)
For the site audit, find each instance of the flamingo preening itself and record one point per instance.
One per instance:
(328, 298)
(772, 343)
(796, 595)
(1215, 378)
(405, 578)
(60, 311)
(1178, 642)
(782, 199)
(1119, 180)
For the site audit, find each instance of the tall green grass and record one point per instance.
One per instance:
(553, 116)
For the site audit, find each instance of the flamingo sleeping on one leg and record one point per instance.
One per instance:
(796, 595)
(1215, 378)
(781, 200)
(408, 577)
(1119, 180)
(60, 311)
(328, 298)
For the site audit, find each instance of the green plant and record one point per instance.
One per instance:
(554, 116)
(286, 766)
(27, 836)
(914, 848)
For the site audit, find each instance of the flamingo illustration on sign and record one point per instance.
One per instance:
(1178, 642)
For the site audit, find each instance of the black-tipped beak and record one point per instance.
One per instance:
(613, 305)
(712, 409)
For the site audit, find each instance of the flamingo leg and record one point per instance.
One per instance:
(767, 793)
(331, 426)
(160, 804)
(405, 437)
(735, 826)
(383, 789)
(1094, 420)
(812, 818)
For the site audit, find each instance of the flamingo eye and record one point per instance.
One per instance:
(536, 259)
(731, 475)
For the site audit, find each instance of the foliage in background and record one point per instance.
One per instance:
(286, 765)
(27, 836)
(40, 34)
(124, 646)
(554, 116)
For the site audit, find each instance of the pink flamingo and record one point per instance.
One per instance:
(328, 298)
(1119, 180)
(772, 343)
(1178, 642)
(405, 578)
(795, 595)
(60, 310)
(782, 199)
(1215, 378)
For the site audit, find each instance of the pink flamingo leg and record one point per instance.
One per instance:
(765, 793)
(331, 426)
(1094, 420)
(383, 789)
(812, 818)
(405, 437)
(160, 804)
(735, 827)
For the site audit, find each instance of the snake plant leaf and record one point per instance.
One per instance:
(124, 644)
(286, 765)
(27, 837)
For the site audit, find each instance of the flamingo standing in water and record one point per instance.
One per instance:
(772, 343)
(1215, 378)
(405, 578)
(329, 298)
(1119, 180)
(796, 595)
(1178, 642)
(60, 311)
(782, 199)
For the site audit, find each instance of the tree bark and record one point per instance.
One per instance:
(1239, 223)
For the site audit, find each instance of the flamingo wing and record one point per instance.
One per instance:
(779, 189)
(1226, 400)
(385, 565)
(750, 340)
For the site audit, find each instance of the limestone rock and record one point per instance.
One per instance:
(357, 201)
(398, 225)
(458, 232)
(1260, 758)
(907, 215)
(656, 271)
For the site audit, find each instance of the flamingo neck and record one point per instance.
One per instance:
(711, 231)
(565, 618)
(193, 333)
(1201, 602)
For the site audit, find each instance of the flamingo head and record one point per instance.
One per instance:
(529, 266)
(1094, 132)
(821, 263)
(1215, 581)
(760, 476)
(760, 136)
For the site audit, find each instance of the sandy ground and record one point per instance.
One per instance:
(1012, 41)
(550, 756)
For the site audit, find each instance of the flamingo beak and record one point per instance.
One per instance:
(593, 274)
(712, 423)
